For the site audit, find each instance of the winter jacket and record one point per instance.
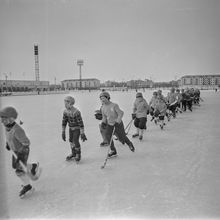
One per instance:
(153, 102)
(73, 118)
(141, 108)
(161, 106)
(17, 139)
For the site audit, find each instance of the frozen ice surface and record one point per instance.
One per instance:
(173, 173)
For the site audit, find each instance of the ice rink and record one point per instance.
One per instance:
(174, 173)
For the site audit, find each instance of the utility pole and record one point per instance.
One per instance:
(80, 63)
(6, 81)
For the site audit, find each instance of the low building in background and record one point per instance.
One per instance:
(200, 81)
(23, 85)
(70, 84)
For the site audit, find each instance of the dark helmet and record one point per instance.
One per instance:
(9, 112)
(139, 95)
(172, 89)
(105, 94)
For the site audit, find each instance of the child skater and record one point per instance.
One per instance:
(18, 143)
(160, 110)
(140, 111)
(152, 104)
(112, 120)
(72, 116)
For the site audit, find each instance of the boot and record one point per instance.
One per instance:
(24, 190)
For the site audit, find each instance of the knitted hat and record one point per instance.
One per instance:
(70, 99)
(105, 94)
(139, 95)
(9, 112)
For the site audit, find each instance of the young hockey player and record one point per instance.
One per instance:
(72, 116)
(112, 121)
(152, 104)
(172, 101)
(179, 101)
(140, 111)
(160, 109)
(18, 143)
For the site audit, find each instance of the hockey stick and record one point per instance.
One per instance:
(103, 166)
(201, 99)
(34, 178)
(129, 126)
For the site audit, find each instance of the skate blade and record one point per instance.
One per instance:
(112, 156)
(70, 160)
(28, 193)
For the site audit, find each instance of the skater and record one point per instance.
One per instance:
(112, 118)
(98, 115)
(172, 101)
(179, 101)
(153, 103)
(140, 111)
(72, 116)
(183, 101)
(160, 110)
(19, 144)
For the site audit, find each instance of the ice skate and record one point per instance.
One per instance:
(131, 146)
(112, 154)
(103, 144)
(70, 157)
(141, 137)
(35, 171)
(26, 190)
(78, 155)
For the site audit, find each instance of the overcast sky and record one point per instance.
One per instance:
(118, 40)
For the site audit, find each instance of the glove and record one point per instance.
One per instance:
(83, 137)
(148, 112)
(64, 135)
(98, 115)
(103, 125)
(133, 115)
(7, 147)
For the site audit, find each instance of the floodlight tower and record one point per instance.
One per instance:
(80, 63)
(37, 74)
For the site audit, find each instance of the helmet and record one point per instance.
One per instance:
(9, 112)
(154, 93)
(172, 89)
(139, 94)
(70, 99)
(105, 94)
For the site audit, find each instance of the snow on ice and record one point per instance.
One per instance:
(174, 173)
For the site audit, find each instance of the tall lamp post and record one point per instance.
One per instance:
(6, 81)
(80, 63)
